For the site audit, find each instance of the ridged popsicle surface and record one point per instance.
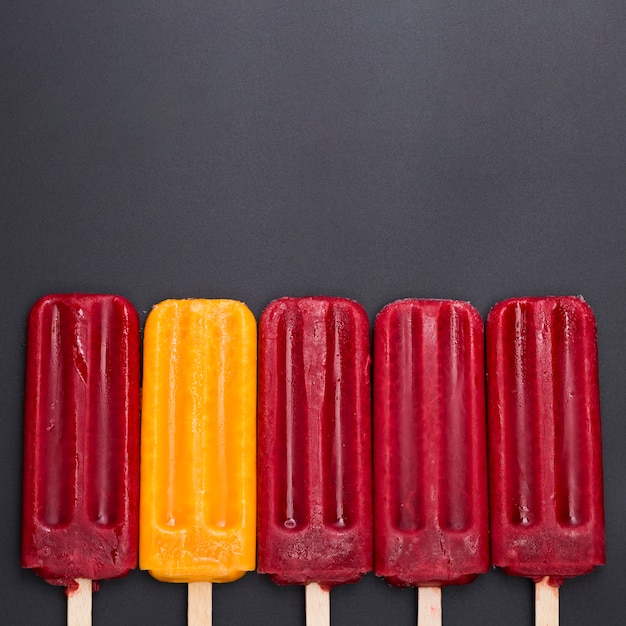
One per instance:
(198, 441)
(81, 438)
(315, 515)
(547, 514)
(430, 461)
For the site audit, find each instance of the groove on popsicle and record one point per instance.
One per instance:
(407, 431)
(106, 462)
(454, 364)
(569, 393)
(58, 465)
(292, 424)
(225, 504)
(216, 502)
(175, 432)
(175, 475)
(520, 407)
(338, 463)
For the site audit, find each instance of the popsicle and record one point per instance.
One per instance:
(198, 446)
(315, 505)
(81, 443)
(547, 515)
(430, 456)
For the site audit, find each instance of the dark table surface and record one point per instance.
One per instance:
(373, 150)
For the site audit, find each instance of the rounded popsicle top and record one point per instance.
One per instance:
(547, 513)
(314, 305)
(82, 303)
(400, 307)
(81, 438)
(218, 308)
(574, 305)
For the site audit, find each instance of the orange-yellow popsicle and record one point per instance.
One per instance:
(198, 442)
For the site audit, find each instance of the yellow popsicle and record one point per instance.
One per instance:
(198, 442)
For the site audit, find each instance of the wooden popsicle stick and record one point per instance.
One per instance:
(546, 603)
(199, 604)
(429, 606)
(317, 605)
(79, 604)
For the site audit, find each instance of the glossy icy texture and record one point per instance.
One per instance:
(198, 441)
(547, 516)
(430, 459)
(315, 507)
(81, 438)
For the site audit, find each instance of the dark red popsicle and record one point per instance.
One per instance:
(81, 439)
(547, 516)
(430, 458)
(314, 462)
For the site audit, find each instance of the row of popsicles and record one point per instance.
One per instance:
(198, 520)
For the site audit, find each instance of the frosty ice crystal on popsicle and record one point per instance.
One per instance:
(81, 440)
(430, 461)
(547, 516)
(315, 516)
(198, 446)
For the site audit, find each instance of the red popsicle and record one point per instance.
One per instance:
(81, 440)
(314, 463)
(430, 458)
(547, 515)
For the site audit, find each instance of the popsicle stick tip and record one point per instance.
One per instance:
(317, 605)
(546, 603)
(429, 606)
(199, 604)
(79, 603)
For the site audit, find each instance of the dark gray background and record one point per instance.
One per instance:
(369, 149)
